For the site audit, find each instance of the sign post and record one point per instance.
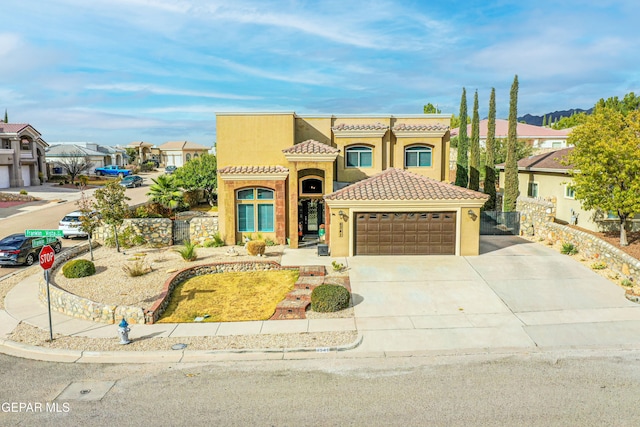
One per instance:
(47, 256)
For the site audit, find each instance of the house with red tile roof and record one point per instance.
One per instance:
(22, 155)
(363, 185)
(537, 136)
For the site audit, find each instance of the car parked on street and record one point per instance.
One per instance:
(70, 225)
(170, 169)
(131, 181)
(17, 249)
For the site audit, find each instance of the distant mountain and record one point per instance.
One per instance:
(555, 116)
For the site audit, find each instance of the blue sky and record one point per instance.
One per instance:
(116, 71)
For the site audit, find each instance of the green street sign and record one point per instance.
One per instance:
(43, 233)
(36, 243)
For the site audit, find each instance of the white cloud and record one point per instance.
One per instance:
(159, 90)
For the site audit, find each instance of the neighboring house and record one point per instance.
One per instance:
(144, 150)
(22, 155)
(544, 176)
(537, 136)
(374, 184)
(177, 153)
(58, 155)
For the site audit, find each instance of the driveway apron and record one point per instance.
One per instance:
(516, 295)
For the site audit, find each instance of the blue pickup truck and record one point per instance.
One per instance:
(112, 170)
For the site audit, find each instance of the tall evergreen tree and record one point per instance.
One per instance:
(511, 165)
(544, 120)
(489, 167)
(474, 148)
(462, 174)
(6, 116)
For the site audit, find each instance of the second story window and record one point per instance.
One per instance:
(418, 156)
(359, 157)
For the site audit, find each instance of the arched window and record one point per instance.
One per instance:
(188, 157)
(311, 185)
(195, 155)
(359, 157)
(255, 209)
(417, 156)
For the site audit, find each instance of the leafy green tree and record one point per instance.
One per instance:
(523, 149)
(89, 220)
(490, 160)
(462, 174)
(431, 109)
(630, 102)
(511, 164)
(200, 174)
(132, 153)
(568, 122)
(606, 164)
(165, 191)
(110, 202)
(474, 148)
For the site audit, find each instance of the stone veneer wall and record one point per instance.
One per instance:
(159, 231)
(156, 310)
(11, 197)
(203, 228)
(83, 308)
(537, 219)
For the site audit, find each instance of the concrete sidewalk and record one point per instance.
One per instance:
(517, 296)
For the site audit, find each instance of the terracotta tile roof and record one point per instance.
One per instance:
(362, 126)
(12, 127)
(399, 184)
(524, 130)
(311, 146)
(253, 169)
(401, 127)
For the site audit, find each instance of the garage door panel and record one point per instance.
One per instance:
(405, 233)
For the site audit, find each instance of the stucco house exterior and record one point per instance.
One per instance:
(545, 176)
(373, 184)
(177, 153)
(22, 155)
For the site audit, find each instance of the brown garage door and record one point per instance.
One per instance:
(405, 233)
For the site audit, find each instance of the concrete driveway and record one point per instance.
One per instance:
(516, 295)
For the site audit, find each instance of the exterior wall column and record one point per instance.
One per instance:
(293, 205)
(16, 171)
(33, 168)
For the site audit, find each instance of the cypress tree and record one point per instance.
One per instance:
(462, 174)
(474, 147)
(511, 165)
(489, 167)
(6, 116)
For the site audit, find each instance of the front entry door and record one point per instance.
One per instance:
(310, 216)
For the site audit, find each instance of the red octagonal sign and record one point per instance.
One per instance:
(46, 257)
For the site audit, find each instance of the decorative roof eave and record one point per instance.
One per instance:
(406, 205)
(420, 133)
(299, 157)
(365, 133)
(254, 173)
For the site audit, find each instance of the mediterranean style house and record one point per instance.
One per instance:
(177, 153)
(545, 176)
(22, 155)
(368, 185)
(540, 138)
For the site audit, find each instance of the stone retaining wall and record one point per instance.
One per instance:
(153, 314)
(537, 216)
(83, 308)
(11, 197)
(156, 231)
(203, 228)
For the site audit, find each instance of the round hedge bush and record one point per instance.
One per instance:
(78, 268)
(329, 298)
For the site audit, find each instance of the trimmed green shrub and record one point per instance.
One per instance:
(78, 268)
(330, 298)
(256, 247)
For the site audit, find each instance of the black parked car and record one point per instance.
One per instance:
(17, 249)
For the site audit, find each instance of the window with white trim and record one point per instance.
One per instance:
(359, 157)
(417, 156)
(255, 207)
(569, 192)
(532, 191)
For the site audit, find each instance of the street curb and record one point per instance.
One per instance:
(26, 351)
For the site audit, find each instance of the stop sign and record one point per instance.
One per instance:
(46, 257)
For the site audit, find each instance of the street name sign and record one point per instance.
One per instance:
(36, 243)
(43, 233)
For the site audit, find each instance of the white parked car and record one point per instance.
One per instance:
(70, 225)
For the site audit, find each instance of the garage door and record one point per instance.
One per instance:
(405, 233)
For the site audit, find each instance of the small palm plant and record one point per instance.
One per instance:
(166, 192)
(188, 252)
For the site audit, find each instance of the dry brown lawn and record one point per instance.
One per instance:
(229, 297)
